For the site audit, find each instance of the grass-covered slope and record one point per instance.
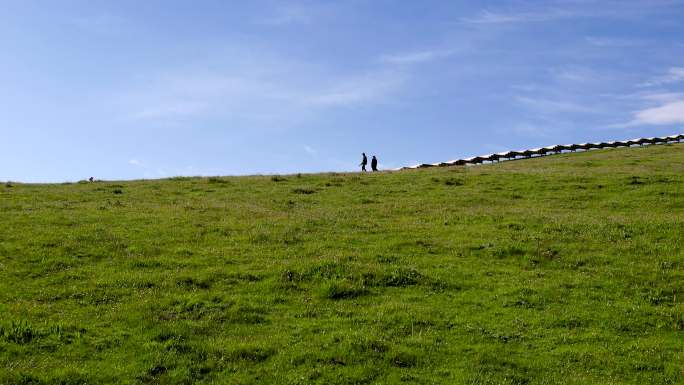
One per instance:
(564, 269)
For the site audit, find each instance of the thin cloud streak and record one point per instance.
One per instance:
(492, 17)
(613, 42)
(293, 13)
(673, 75)
(416, 57)
(664, 96)
(184, 95)
(369, 88)
(265, 88)
(563, 10)
(555, 106)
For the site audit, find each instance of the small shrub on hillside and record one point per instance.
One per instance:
(70, 377)
(677, 322)
(335, 182)
(118, 191)
(404, 359)
(151, 374)
(25, 379)
(400, 277)
(342, 290)
(329, 269)
(571, 322)
(215, 179)
(369, 345)
(548, 254)
(193, 283)
(448, 181)
(292, 236)
(508, 251)
(18, 332)
(389, 259)
(454, 182)
(248, 315)
(515, 226)
(660, 296)
(527, 299)
(193, 308)
(668, 265)
(250, 353)
(291, 276)
(278, 178)
(304, 190)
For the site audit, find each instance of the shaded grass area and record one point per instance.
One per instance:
(567, 269)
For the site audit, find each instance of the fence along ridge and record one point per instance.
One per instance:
(550, 150)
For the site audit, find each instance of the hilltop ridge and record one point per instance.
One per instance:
(552, 150)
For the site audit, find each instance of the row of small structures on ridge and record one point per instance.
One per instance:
(557, 149)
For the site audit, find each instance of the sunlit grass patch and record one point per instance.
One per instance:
(566, 269)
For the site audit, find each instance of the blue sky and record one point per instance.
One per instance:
(131, 89)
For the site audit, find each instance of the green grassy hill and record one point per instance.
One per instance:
(563, 269)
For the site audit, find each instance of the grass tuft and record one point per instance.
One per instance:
(250, 353)
(19, 332)
(342, 290)
(304, 190)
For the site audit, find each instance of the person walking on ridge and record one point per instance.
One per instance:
(364, 162)
(374, 163)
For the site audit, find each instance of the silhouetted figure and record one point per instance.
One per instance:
(364, 162)
(91, 179)
(374, 163)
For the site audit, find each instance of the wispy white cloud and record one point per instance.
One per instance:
(668, 113)
(658, 95)
(613, 42)
(292, 13)
(107, 24)
(527, 12)
(265, 88)
(538, 127)
(673, 75)
(494, 17)
(416, 56)
(310, 150)
(259, 96)
(134, 162)
(657, 108)
(170, 108)
(661, 106)
(575, 75)
(555, 106)
(367, 88)
(663, 96)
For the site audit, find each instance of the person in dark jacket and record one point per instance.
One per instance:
(364, 162)
(374, 163)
